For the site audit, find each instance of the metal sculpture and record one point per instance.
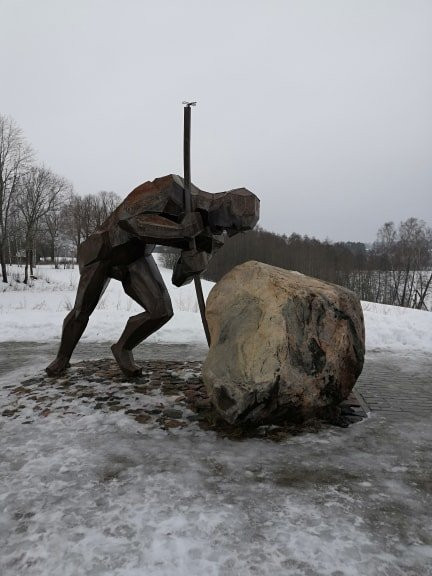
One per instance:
(153, 213)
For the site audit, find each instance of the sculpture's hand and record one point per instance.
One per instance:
(192, 224)
(188, 265)
(209, 242)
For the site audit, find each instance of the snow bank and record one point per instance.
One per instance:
(395, 329)
(36, 314)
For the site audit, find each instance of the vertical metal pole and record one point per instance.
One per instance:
(188, 207)
(186, 158)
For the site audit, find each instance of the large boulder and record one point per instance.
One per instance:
(283, 345)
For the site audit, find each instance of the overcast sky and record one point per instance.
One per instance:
(322, 108)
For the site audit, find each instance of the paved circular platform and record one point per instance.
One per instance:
(169, 394)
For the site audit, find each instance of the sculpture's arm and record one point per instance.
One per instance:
(193, 262)
(189, 264)
(209, 242)
(157, 229)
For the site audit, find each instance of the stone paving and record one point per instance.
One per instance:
(169, 394)
(397, 386)
(390, 384)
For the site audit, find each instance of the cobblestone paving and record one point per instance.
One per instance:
(396, 385)
(169, 394)
(390, 384)
(32, 357)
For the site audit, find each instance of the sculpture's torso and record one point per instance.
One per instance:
(163, 198)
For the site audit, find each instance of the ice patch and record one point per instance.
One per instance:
(102, 494)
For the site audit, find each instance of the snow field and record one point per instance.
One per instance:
(36, 314)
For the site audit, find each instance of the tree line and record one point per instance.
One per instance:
(40, 214)
(396, 269)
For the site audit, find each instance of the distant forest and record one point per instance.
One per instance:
(42, 219)
(396, 270)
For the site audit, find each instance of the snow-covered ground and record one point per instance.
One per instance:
(95, 493)
(89, 492)
(36, 314)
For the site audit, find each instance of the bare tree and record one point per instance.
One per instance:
(15, 158)
(104, 204)
(16, 238)
(54, 221)
(39, 193)
(388, 274)
(403, 259)
(83, 214)
(72, 214)
(414, 254)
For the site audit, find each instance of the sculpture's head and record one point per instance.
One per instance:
(234, 211)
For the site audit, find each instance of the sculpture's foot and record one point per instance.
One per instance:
(125, 361)
(58, 366)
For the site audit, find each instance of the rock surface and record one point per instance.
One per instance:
(284, 345)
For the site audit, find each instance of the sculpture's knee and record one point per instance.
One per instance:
(77, 315)
(162, 311)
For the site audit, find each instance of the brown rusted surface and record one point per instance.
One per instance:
(153, 213)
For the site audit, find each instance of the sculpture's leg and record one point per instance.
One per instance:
(94, 279)
(142, 282)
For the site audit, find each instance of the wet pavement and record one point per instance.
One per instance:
(99, 493)
(34, 356)
(399, 386)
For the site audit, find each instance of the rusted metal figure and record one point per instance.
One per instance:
(153, 213)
